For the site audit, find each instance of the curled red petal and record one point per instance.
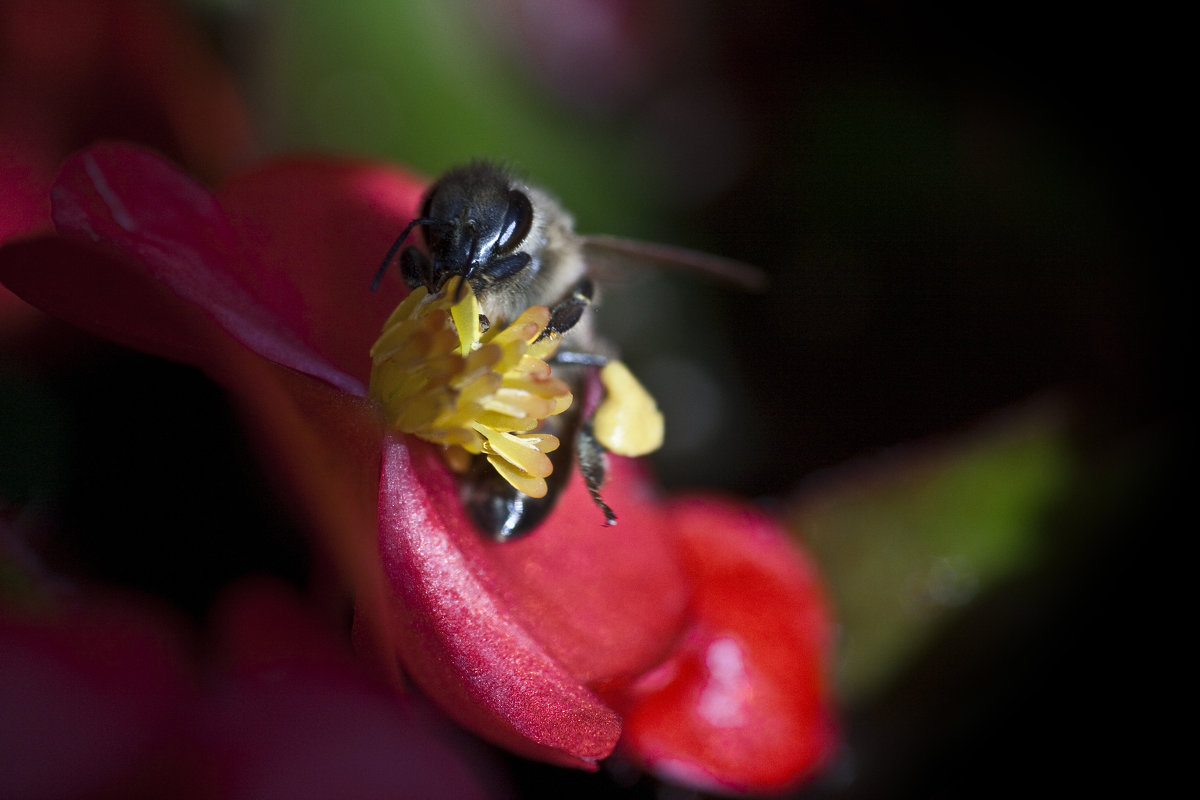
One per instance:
(744, 704)
(606, 602)
(320, 228)
(75, 282)
(170, 232)
(460, 641)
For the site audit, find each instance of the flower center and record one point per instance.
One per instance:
(437, 375)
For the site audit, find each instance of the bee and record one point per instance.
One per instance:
(517, 247)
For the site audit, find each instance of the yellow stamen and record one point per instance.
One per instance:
(438, 377)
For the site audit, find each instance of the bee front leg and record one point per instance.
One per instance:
(416, 268)
(567, 312)
(564, 317)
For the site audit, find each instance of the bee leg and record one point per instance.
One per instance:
(579, 357)
(567, 312)
(498, 509)
(416, 268)
(589, 453)
(594, 467)
(564, 316)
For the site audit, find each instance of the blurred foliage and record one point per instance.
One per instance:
(421, 83)
(908, 540)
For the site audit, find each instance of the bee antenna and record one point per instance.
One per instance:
(396, 245)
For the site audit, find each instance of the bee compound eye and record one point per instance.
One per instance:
(518, 219)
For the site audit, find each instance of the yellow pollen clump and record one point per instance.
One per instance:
(437, 375)
(628, 422)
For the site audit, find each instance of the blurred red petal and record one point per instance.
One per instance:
(321, 447)
(25, 179)
(744, 704)
(320, 228)
(456, 634)
(86, 699)
(170, 233)
(17, 318)
(72, 71)
(319, 444)
(74, 282)
(293, 715)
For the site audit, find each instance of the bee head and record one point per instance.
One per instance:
(477, 224)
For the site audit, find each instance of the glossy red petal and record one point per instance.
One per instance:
(172, 234)
(744, 704)
(456, 634)
(605, 602)
(320, 228)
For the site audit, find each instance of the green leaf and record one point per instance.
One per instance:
(908, 539)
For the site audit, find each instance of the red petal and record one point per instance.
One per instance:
(744, 704)
(173, 235)
(294, 716)
(86, 698)
(320, 229)
(73, 71)
(322, 447)
(605, 602)
(76, 283)
(457, 635)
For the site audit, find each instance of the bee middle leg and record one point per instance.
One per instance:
(589, 453)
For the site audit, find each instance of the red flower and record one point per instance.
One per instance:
(72, 71)
(101, 698)
(541, 644)
(739, 703)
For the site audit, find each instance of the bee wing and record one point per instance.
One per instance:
(611, 257)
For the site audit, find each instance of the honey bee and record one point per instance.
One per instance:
(516, 247)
